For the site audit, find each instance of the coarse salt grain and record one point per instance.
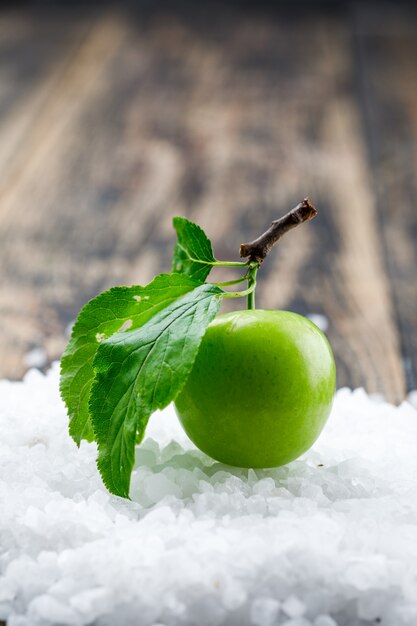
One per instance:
(328, 540)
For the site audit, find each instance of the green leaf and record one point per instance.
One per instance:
(193, 254)
(112, 311)
(141, 371)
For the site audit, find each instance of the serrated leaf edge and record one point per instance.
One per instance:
(76, 337)
(217, 298)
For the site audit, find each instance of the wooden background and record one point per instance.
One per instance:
(114, 118)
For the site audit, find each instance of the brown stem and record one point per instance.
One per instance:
(258, 249)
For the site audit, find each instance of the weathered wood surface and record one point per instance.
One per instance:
(112, 120)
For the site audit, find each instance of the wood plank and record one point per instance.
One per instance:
(27, 46)
(387, 71)
(337, 268)
(28, 133)
(230, 121)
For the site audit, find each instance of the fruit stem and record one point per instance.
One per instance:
(232, 282)
(253, 269)
(227, 263)
(251, 300)
(239, 294)
(259, 248)
(250, 276)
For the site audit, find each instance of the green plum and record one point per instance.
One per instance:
(260, 390)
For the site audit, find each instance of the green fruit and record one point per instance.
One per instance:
(260, 390)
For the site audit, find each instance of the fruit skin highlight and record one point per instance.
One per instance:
(260, 390)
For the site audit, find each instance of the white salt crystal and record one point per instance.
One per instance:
(319, 320)
(412, 398)
(373, 605)
(158, 486)
(91, 603)
(324, 620)
(18, 620)
(264, 611)
(333, 533)
(7, 589)
(293, 607)
(206, 611)
(36, 357)
(52, 611)
(298, 621)
(264, 487)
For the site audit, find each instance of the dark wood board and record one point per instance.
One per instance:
(115, 118)
(387, 74)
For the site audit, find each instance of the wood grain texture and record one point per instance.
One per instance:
(387, 74)
(125, 116)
